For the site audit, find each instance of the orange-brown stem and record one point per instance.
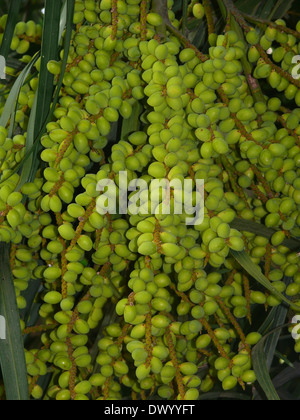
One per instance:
(234, 322)
(178, 376)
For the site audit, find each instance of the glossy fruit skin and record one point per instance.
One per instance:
(198, 11)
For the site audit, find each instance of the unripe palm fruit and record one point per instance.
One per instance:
(198, 11)
(53, 298)
(54, 67)
(253, 338)
(142, 372)
(229, 383)
(66, 231)
(154, 19)
(252, 37)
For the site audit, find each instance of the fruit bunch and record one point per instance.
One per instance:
(143, 304)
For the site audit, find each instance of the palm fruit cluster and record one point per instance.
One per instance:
(140, 305)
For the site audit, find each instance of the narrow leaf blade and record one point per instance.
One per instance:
(43, 99)
(12, 356)
(261, 368)
(261, 230)
(272, 340)
(9, 29)
(10, 103)
(245, 261)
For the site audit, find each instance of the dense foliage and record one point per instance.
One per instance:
(143, 306)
